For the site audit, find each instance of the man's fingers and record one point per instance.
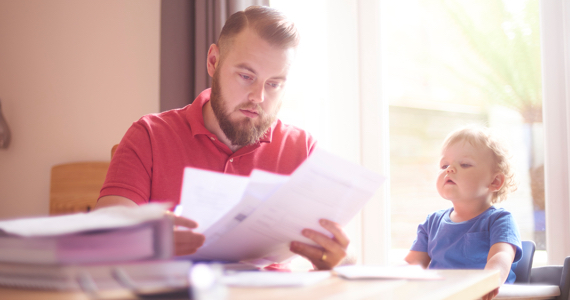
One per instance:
(181, 221)
(184, 222)
(309, 252)
(187, 242)
(335, 228)
(318, 257)
(333, 250)
(322, 259)
(339, 240)
(323, 240)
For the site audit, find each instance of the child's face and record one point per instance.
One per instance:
(466, 173)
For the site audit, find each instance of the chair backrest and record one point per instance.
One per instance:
(546, 275)
(523, 267)
(565, 280)
(113, 150)
(555, 275)
(75, 187)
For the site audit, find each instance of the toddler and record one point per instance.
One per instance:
(474, 174)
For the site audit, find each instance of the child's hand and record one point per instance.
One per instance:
(492, 294)
(418, 258)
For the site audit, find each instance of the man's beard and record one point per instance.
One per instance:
(244, 132)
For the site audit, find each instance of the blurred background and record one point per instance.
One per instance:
(380, 83)
(445, 64)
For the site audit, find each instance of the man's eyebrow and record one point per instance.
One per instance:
(282, 78)
(249, 69)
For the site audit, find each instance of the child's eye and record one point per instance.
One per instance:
(465, 165)
(444, 167)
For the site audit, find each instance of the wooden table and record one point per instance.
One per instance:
(456, 285)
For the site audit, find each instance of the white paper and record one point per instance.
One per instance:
(261, 185)
(207, 196)
(386, 272)
(274, 279)
(104, 218)
(324, 186)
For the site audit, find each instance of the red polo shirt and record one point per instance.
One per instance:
(149, 162)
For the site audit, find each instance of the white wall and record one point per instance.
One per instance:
(73, 76)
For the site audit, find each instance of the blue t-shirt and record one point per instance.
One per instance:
(466, 245)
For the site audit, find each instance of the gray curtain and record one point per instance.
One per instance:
(188, 28)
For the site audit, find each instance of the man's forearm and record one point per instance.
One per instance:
(114, 200)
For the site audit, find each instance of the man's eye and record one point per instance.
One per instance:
(246, 77)
(274, 85)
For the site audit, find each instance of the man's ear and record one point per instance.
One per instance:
(213, 59)
(497, 182)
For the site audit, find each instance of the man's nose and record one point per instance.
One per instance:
(257, 92)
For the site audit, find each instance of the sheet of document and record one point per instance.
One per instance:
(207, 196)
(104, 218)
(261, 185)
(324, 186)
(274, 279)
(386, 272)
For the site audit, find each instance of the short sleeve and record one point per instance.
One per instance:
(421, 242)
(505, 230)
(130, 171)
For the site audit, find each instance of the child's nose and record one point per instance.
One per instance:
(450, 169)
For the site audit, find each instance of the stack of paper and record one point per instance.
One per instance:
(149, 273)
(60, 252)
(256, 217)
(113, 234)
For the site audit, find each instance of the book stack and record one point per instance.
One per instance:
(91, 250)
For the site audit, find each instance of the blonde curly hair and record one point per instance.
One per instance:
(482, 136)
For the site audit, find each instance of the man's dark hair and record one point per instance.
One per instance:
(269, 23)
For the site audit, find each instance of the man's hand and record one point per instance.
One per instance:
(185, 240)
(334, 248)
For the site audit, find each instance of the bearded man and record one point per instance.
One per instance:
(230, 128)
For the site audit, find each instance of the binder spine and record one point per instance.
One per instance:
(163, 238)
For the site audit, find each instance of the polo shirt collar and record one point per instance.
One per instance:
(196, 119)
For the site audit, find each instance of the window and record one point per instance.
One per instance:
(451, 63)
(432, 80)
